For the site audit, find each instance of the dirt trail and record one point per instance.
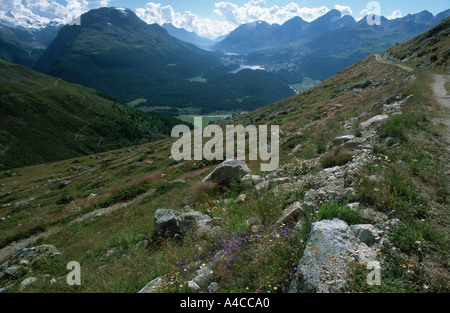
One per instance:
(381, 59)
(443, 98)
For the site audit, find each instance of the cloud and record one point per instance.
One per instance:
(230, 16)
(395, 14)
(256, 10)
(41, 12)
(345, 10)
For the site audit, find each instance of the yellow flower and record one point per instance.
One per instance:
(410, 265)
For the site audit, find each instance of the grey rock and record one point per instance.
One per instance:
(204, 277)
(64, 184)
(362, 85)
(10, 271)
(325, 258)
(349, 194)
(153, 286)
(6, 288)
(228, 171)
(291, 213)
(32, 255)
(213, 287)
(374, 120)
(166, 222)
(27, 282)
(365, 233)
(343, 139)
(193, 287)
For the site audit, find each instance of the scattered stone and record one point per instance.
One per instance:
(241, 198)
(325, 258)
(193, 287)
(153, 286)
(213, 287)
(204, 277)
(228, 171)
(374, 120)
(365, 233)
(193, 223)
(27, 282)
(362, 85)
(166, 221)
(6, 288)
(291, 213)
(143, 244)
(32, 255)
(111, 252)
(64, 184)
(366, 254)
(343, 139)
(10, 271)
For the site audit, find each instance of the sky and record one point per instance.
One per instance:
(213, 18)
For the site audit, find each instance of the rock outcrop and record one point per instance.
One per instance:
(228, 171)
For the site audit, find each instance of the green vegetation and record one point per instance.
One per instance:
(129, 59)
(45, 119)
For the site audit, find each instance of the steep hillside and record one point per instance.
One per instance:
(45, 119)
(115, 52)
(363, 180)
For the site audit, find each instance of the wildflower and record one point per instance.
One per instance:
(410, 265)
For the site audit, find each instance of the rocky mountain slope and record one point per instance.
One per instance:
(362, 184)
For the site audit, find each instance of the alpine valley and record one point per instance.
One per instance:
(92, 199)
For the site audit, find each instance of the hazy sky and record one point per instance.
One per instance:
(213, 18)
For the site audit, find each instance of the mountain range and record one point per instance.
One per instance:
(324, 47)
(117, 53)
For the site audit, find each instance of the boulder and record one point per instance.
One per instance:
(204, 277)
(228, 171)
(365, 233)
(291, 213)
(153, 286)
(325, 258)
(362, 85)
(374, 120)
(192, 223)
(27, 282)
(166, 222)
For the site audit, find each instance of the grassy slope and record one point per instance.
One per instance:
(45, 119)
(420, 179)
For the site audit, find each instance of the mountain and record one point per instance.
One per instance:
(116, 52)
(247, 37)
(24, 46)
(362, 179)
(45, 119)
(186, 36)
(326, 53)
(260, 36)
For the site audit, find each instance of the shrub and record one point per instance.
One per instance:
(337, 157)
